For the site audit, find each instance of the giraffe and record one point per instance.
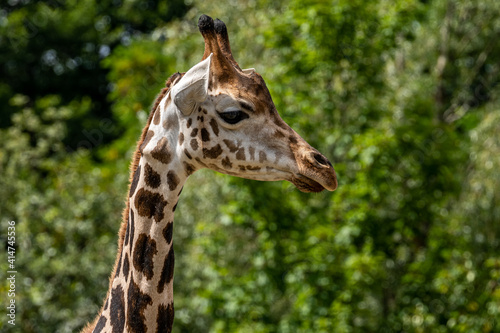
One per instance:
(214, 116)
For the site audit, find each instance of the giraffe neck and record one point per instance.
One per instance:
(142, 289)
(141, 294)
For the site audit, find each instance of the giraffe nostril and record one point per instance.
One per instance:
(322, 160)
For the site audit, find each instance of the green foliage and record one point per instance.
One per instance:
(400, 95)
(56, 47)
(60, 202)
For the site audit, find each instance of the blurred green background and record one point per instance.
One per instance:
(402, 97)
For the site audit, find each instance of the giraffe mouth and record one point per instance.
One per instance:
(305, 184)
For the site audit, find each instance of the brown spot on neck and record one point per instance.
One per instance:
(171, 122)
(168, 231)
(117, 310)
(151, 177)
(135, 180)
(127, 233)
(172, 180)
(144, 252)
(167, 272)
(100, 325)
(150, 204)
(137, 303)
(126, 267)
(118, 268)
(132, 225)
(146, 140)
(162, 152)
(156, 118)
(165, 318)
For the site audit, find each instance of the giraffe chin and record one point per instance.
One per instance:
(305, 184)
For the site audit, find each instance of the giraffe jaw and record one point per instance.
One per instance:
(315, 179)
(310, 183)
(305, 184)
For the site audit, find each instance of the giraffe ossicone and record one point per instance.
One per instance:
(215, 116)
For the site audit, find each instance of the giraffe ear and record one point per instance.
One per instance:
(192, 89)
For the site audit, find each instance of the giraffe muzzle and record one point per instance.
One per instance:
(316, 173)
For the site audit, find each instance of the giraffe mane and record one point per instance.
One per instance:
(172, 80)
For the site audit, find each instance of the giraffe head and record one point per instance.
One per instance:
(225, 120)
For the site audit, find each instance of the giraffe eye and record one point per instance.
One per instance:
(233, 117)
